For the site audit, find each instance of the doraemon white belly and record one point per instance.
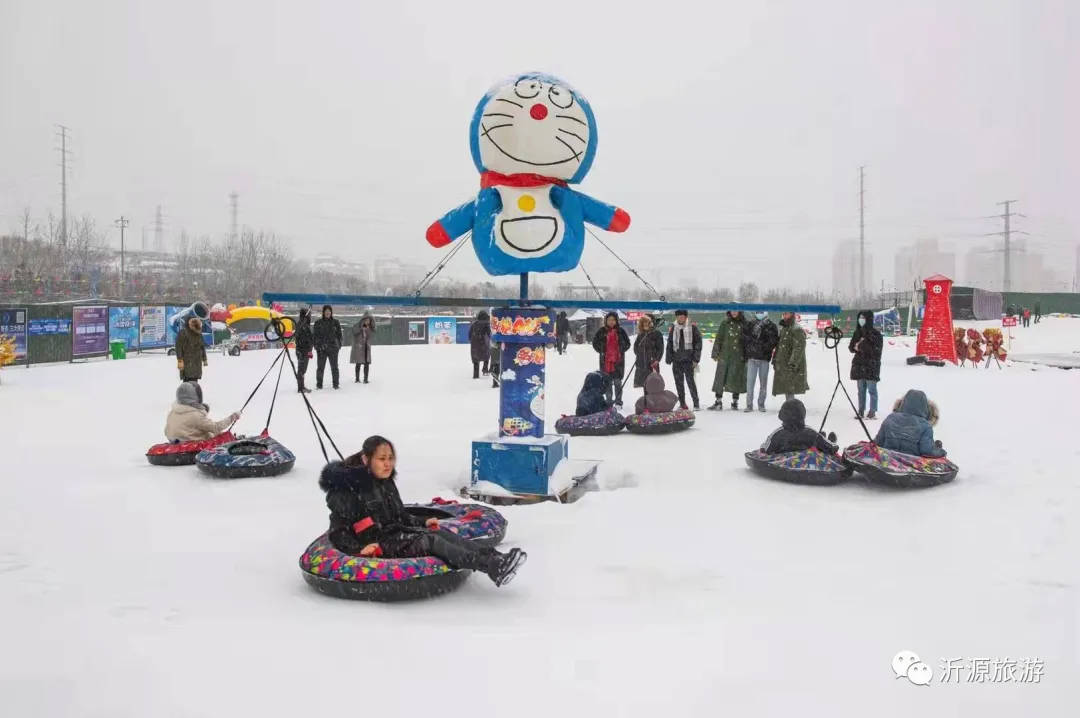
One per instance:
(529, 225)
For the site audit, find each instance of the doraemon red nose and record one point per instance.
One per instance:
(538, 111)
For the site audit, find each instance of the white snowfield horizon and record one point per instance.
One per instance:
(686, 586)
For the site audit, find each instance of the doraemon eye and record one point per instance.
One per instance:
(560, 97)
(527, 89)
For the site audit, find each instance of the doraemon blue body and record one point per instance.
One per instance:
(530, 137)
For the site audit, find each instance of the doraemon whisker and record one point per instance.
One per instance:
(498, 114)
(577, 155)
(503, 99)
(568, 117)
(487, 130)
(574, 134)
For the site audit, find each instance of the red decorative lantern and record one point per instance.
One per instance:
(936, 336)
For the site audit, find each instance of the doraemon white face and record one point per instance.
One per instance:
(534, 126)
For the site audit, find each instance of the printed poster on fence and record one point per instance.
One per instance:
(442, 330)
(124, 326)
(171, 311)
(89, 331)
(13, 324)
(152, 333)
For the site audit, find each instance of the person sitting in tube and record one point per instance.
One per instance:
(368, 518)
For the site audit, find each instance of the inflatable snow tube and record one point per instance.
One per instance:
(184, 453)
(261, 456)
(343, 575)
(603, 423)
(480, 524)
(810, 466)
(660, 423)
(899, 469)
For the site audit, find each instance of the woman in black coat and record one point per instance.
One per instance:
(611, 343)
(479, 339)
(305, 343)
(648, 349)
(866, 345)
(367, 518)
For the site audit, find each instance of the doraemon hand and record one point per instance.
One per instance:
(530, 138)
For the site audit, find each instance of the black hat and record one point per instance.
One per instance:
(681, 313)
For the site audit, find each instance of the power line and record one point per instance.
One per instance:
(233, 200)
(122, 223)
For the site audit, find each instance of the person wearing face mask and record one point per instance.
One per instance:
(368, 518)
(760, 338)
(727, 351)
(789, 362)
(866, 345)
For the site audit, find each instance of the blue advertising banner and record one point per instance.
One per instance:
(13, 324)
(442, 330)
(42, 327)
(124, 325)
(170, 310)
(152, 331)
(90, 330)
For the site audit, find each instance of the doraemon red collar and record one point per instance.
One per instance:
(491, 179)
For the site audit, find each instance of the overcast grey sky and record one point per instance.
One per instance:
(730, 131)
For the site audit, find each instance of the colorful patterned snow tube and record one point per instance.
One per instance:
(660, 423)
(809, 466)
(602, 423)
(899, 469)
(183, 453)
(343, 575)
(261, 456)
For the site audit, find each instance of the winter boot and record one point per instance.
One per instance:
(505, 566)
(749, 408)
(735, 403)
(697, 406)
(717, 405)
(761, 409)
(871, 415)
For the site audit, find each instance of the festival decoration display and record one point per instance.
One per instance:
(995, 343)
(936, 335)
(7, 350)
(974, 347)
(531, 137)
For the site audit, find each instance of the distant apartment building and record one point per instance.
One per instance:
(919, 260)
(984, 267)
(845, 271)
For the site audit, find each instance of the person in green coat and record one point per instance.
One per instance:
(727, 351)
(190, 351)
(789, 362)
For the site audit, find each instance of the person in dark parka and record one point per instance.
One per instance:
(593, 397)
(611, 343)
(562, 332)
(910, 428)
(479, 340)
(305, 343)
(789, 361)
(328, 339)
(368, 518)
(684, 355)
(360, 354)
(760, 338)
(648, 349)
(794, 434)
(866, 345)
(190, 350)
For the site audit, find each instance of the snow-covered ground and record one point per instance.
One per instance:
(687, 586)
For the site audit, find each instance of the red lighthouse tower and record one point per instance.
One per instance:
(936, 335)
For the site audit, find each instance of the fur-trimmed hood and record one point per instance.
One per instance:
(916, 404)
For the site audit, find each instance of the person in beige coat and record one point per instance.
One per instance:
(189, 418)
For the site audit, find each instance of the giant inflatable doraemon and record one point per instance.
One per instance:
(531, 137)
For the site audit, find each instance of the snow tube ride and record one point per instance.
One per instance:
(183, 453)
(602, 423)
(260, 456)
(899, 469)
(810, 466)
(664, 422)
(343, 575)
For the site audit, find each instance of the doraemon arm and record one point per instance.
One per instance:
(458, 221)
(595, 212)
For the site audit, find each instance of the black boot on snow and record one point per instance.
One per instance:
(717, 405)
(507, 565)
